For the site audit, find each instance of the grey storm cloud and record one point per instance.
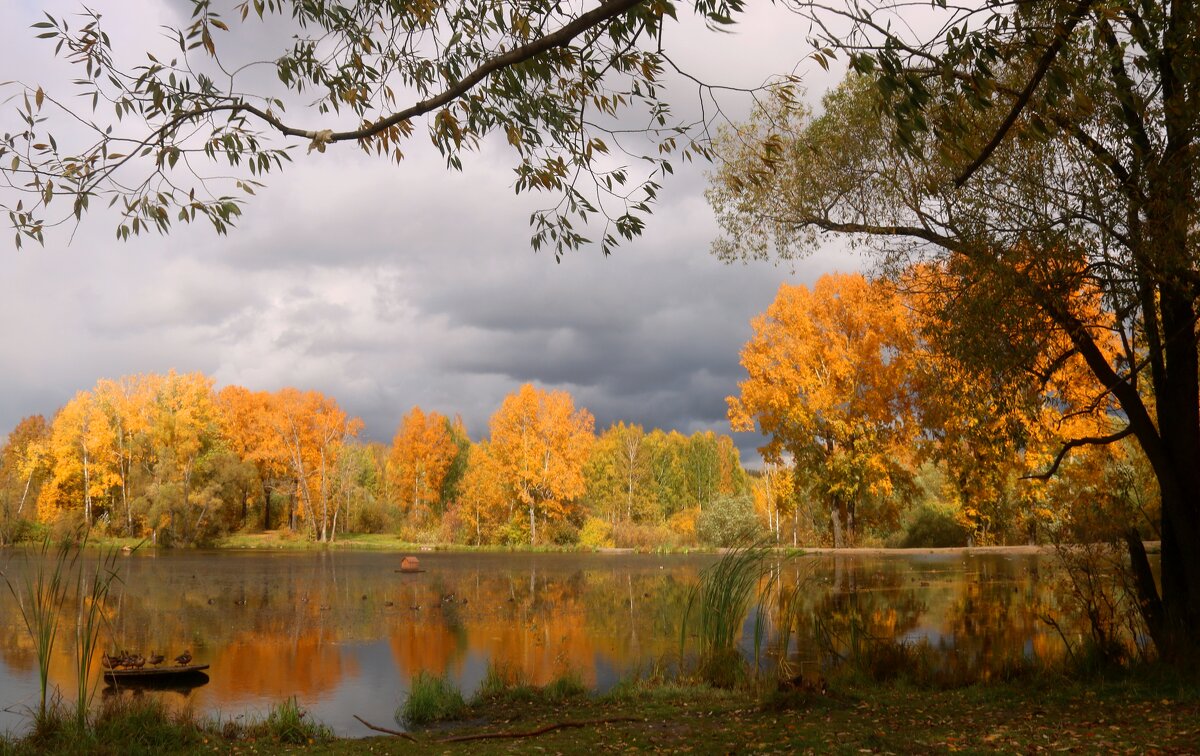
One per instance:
(388, 286)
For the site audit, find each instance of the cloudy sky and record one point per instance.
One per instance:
(388, 286)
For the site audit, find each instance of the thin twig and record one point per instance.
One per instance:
(539, 731)
(377, 728)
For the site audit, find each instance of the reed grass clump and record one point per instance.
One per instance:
(568, 684)
(288, 724)
(144, 724)
(503, 684)
(718, 604)
(40, 596)
(431, 699)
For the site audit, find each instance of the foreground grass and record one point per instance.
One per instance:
(1144, 713)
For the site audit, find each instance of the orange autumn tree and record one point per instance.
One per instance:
(23, 467)
(1001, 400)
(484, 499)
(541, 444)
(247, 426)
(829, 385)
(312, 429)
(81, 452)
(421, 455)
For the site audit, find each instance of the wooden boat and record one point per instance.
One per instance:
(146, 675)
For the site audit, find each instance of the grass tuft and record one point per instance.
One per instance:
(568, 684)
(431, 699)
(287, 723)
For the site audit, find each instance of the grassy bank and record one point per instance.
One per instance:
(283, 540)
(1152, 710)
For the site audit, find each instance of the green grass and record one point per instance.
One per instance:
(504, 685)
(123, 725)
(1150, 708)
(285, 723)
(431, 699)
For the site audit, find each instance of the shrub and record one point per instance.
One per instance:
(934, 526)
(646, 536)
(559, 532)
(728, 521)
(596, 534)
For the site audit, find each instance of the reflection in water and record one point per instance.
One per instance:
(344, 632)
(181, 684)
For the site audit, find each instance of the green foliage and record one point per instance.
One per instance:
(452, 483)
(552, 81)
(431, 699)
(932, 525)
(564, 686)
(144, 725)
(287, 723)
(728, 521)
(596, 534)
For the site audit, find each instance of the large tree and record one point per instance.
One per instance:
(422, 452)
(828, 384)
(187, 130)
(1048, 149)
(540, 443)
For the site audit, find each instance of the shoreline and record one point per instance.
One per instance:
(277, 541)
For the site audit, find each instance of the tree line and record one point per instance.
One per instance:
(882, 427)
(172, 459)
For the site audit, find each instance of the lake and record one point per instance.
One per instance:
(344, 632)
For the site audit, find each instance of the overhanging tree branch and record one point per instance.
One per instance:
(1075, 443)
(1073, 18)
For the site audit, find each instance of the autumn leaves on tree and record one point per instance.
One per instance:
(166, 457)
(858, 384)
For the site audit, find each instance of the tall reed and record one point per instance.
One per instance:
(91, 595)
(745, 575)
(40, 595)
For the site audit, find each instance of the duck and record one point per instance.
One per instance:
(156, 659)
(184, 658)
(137, 661)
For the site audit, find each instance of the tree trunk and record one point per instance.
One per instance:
(87, 490)
(24, 494)
(836, 517)
(266, 494)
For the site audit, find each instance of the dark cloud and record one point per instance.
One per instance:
(392, 285)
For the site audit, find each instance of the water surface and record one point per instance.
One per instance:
(344, 632)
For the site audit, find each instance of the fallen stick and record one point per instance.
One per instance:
(377, 728)
(535, 733)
